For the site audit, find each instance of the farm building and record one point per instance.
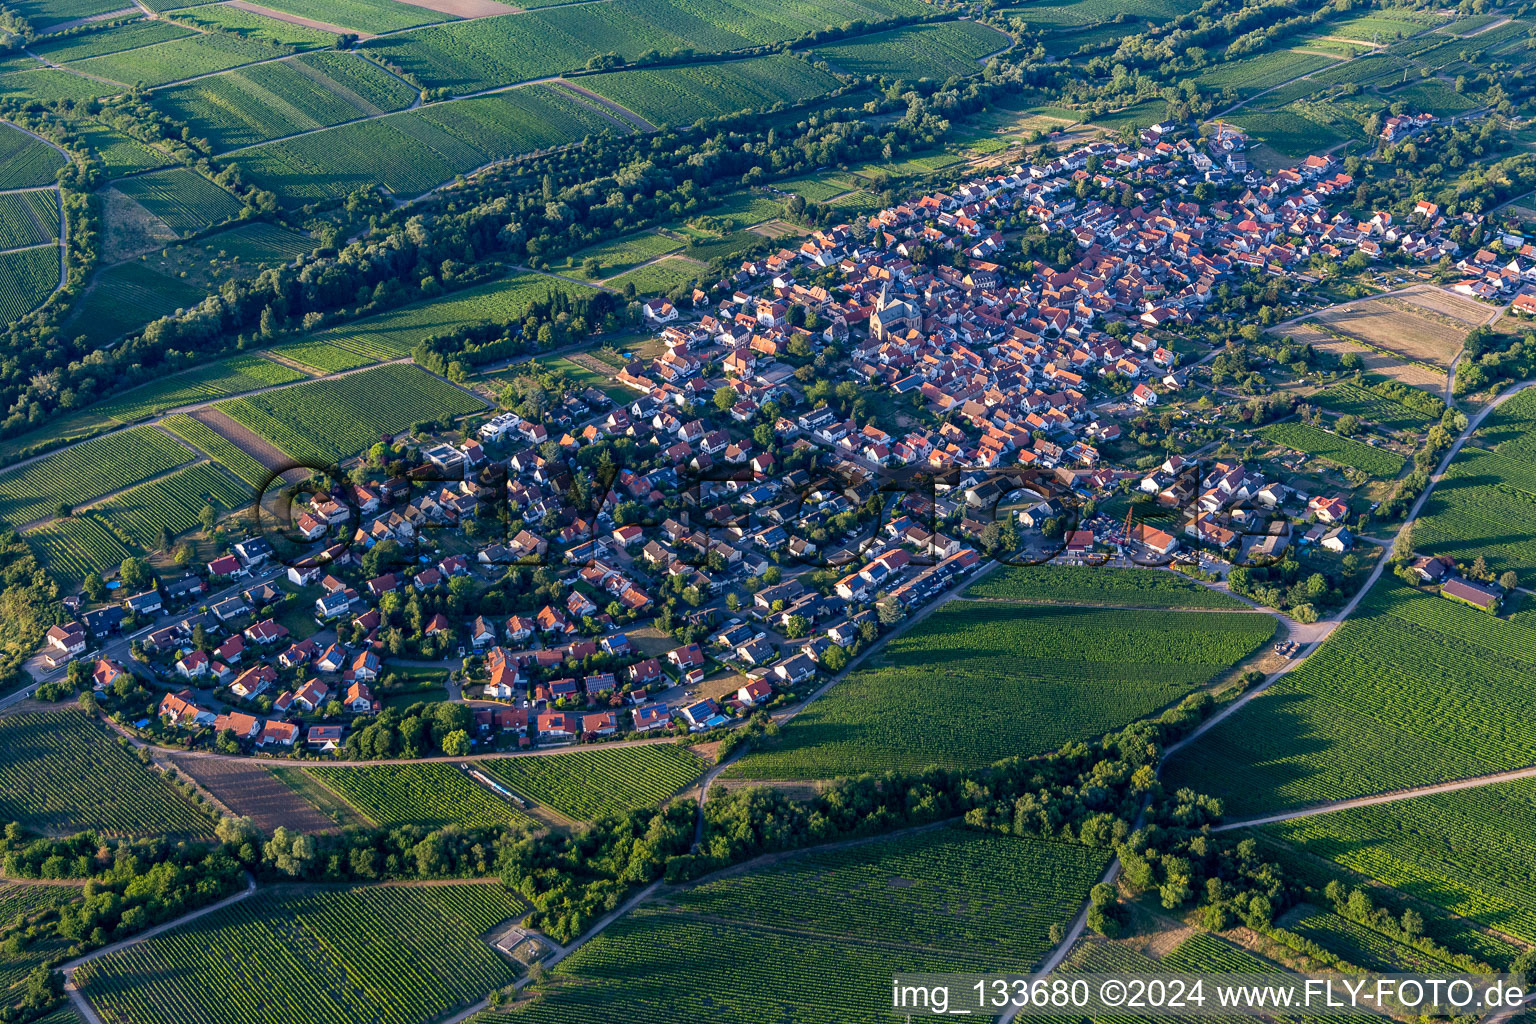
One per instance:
(1475, 594)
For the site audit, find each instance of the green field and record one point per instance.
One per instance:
(1411, 690)
(432, 795)
(297, 955)
(205, 439)
(1250, 75)
(918, 51)
(256, 104)
(126, 297)
(70, 548)
(201, 53)
(1126, 588)
(113, 40)
(659, 277)
(393, 334)
(1340, 450)
(1433, 97)
(27, 161)
(942, 900)
(44, 14)
(682, 95)
(618, 255)
(185, 200)
(27, 278)
(230, 376)
(219, 17)
(1346, 398)
(363, 15)
(119, 153)
(979, 681)
(1486, 502)
(338, 417)
(1362, 946)
(87, 471)
(413, 151)
(468, 56)
(587, 784)
(52, 84)
(1464, 851)
(60, 771)
(171, 502)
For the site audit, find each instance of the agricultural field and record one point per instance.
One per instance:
(172, 502)
(743, 209)
(936, 51)
(373, 16)
(71, 548)
(1485, 505)
(216, 445)
(588, 784)
(87, 471)
(1360, 945)
(1348, 398)
(113, 40)
(43, 14)
(1335, 448)
(201, 53)
(338, 417)
(1050, 674)
(1249, 76)
(393, 334)
(27, 278)
(53, 84)
(947, 899)
(1462, 851)
(1434, 97)
(27, 161)
(1385, 26)
(616, 256)
(185, 200)
(1403, 328)
(468, 56)
(1124, 588)
(61, 771)
(411, 152)
(230, 376)
(28, 218)
(659, 277)
(1083, 13)
(431, 794)
(125, 297)
(267, 101)
(243, 24)
(389, 954)
(1412, 689)
(681, 95)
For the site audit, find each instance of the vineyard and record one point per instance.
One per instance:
(159, 63)
(681, 95)
(232, 376)
(26, 161)
(469, 56)
(413, 151)
(52, 84)
(87, 471)
(393, 334)
(27, 278)
(122, 37)
(1131, 588)
(71, 548)
(588, 784)
(119, 153)
(219, 447)
(217, 17)
(28, 218)
(362, 15)
(266, 101)
(337, 417)
(920, 51)
(946, 900)
(1484, 506)
(1466, 851)
(136, 516)
(1410, 690)
(29, 900)
(61, 771)
(620, 254)
(432, 794)
(1346, 398)
(1360, 945)
(979, 681)
(382, 954)
(185, 200)
(1342, 451)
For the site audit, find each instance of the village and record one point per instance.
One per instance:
(835, 440)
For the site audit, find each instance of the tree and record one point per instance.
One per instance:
(834, 659)
(796, 627)
(1348, 424)
(1480, 568)
(456, 743)
(93, 587)
(135, 573)
(1510, 580)
(208, 518)
(725, 397)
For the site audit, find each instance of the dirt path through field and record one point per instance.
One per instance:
(468, 8)
(628, 117)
